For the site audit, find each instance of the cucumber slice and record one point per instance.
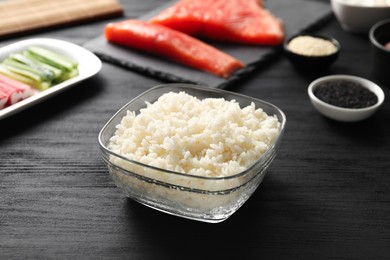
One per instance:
(39, 67)
(28, 69)
(45, 73)
(58, 73)
(4, 70)
(53, 58)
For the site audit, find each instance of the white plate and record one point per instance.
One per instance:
(89, 65)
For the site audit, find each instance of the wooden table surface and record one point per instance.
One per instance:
(326, 195)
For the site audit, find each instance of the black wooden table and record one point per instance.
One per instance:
(326, 195)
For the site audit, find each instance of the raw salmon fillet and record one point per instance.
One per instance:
(171, 44)
(239, 21)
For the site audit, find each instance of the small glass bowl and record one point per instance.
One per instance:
(207, 199)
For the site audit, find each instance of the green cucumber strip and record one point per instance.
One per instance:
(52, 58)
(23, 72)
(5, 72)
(21, 66)
(70, 74)
(57, 72)
(46, 73)
(38, 85)
(39, 67)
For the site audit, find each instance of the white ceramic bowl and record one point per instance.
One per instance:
(340, 113)
(357, 16)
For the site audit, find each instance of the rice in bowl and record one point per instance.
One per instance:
(189, 154)
(210, 137)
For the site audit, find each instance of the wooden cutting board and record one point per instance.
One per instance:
(22, 16)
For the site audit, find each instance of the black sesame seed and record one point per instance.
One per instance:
(345, 93)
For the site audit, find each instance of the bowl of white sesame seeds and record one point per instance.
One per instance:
(311, 52)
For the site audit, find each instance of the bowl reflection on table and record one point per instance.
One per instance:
(358, 16)
(207, 199)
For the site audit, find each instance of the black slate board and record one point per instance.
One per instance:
(297, 16)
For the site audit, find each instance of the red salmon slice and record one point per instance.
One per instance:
(171, 44)
(238, 21)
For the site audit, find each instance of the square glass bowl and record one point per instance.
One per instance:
(207, 199)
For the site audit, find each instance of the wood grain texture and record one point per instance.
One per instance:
(25, 16)
(326, 195)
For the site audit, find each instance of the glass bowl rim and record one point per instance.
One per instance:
(103, 147)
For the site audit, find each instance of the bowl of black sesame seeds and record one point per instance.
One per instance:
(345, 98)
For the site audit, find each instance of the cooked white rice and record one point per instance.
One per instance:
(210, 137)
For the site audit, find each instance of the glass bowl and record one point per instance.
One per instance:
(207, 199)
